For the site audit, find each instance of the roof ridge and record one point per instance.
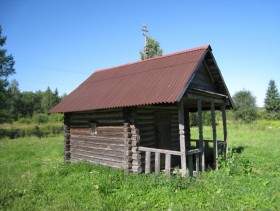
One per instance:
(157, 57)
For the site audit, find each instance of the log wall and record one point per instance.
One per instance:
(144, 118)
(106, 146)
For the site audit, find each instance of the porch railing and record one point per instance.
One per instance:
(168, 153)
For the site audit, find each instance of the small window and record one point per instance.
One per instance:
(93, 128)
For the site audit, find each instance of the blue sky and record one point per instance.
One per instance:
(59, 43)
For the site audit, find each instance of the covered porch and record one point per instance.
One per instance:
(193, 152)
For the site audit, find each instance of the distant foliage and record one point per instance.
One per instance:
(245, 106)
(153, 49)
(272, 101)
(6, 69)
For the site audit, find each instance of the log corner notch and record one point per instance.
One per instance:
(128, 147)
(67, 153)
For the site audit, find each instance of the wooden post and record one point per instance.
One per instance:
(167, 164)
(67, 152)
(187, 129)
(157, 163)
(215, 145)
(200, 127)
(182, 137)
(148, 162)
(190, 160)
(225, 130)
(197, 163)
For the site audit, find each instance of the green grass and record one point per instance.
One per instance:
(34, 177)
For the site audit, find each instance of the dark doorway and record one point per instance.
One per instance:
(162, 131)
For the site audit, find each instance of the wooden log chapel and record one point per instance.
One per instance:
(136, 116)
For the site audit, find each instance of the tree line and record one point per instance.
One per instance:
(26, 104)
(245, 108)
(15, 104)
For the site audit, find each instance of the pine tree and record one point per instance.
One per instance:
(272, 101)
(152, 49)
(6, 69)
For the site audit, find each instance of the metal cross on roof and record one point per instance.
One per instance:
(145, 30)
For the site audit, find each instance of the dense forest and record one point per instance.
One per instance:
(27, 104)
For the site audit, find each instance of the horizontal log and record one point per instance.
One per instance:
(145, 117)
(136, 169)
(136, 156)
(135, 138)
(136, 162)
(150, 139)
(134, 143)
(82, 131)
(143, 128)
(110, 129)
(96, 115)
(135, 131)
(127, 140)
(79, 158)
(99, 146)
(98, 139)
(105, 151)
(146, 122)
(99, 155)
(128, 153)
(147, 144)
(147, 132)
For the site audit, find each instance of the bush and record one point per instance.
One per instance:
(25, 121)
(56, 118)
(18, 131)
(40, 118)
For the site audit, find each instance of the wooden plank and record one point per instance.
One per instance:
(98, 139)
(92, 157)
(157, 163)
(225, 129)
(182, 137)
(148, 162)
(200, 128)
(190, 161)
(197, 163)
(163, 151)
(104, 151)
(204, 98)
(98, 155)
(167, 164)
(215, 146)
(78, 158)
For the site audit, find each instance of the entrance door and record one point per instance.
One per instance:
(162, 131)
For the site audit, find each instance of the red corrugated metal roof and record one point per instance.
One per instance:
(157, 80)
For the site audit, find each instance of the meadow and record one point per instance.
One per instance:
(34, 177)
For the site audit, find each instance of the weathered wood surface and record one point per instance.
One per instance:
(215, 146)
(182, 137)
(200, 128)
(78, 158)
(157, 163)
(203, 79)
(168, 164)
(225, 129)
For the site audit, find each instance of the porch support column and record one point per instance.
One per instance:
(187, 129)
(200, 128)
(225, 130)
(215, 144)
(182, 136)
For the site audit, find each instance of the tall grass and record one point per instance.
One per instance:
(34, 177)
